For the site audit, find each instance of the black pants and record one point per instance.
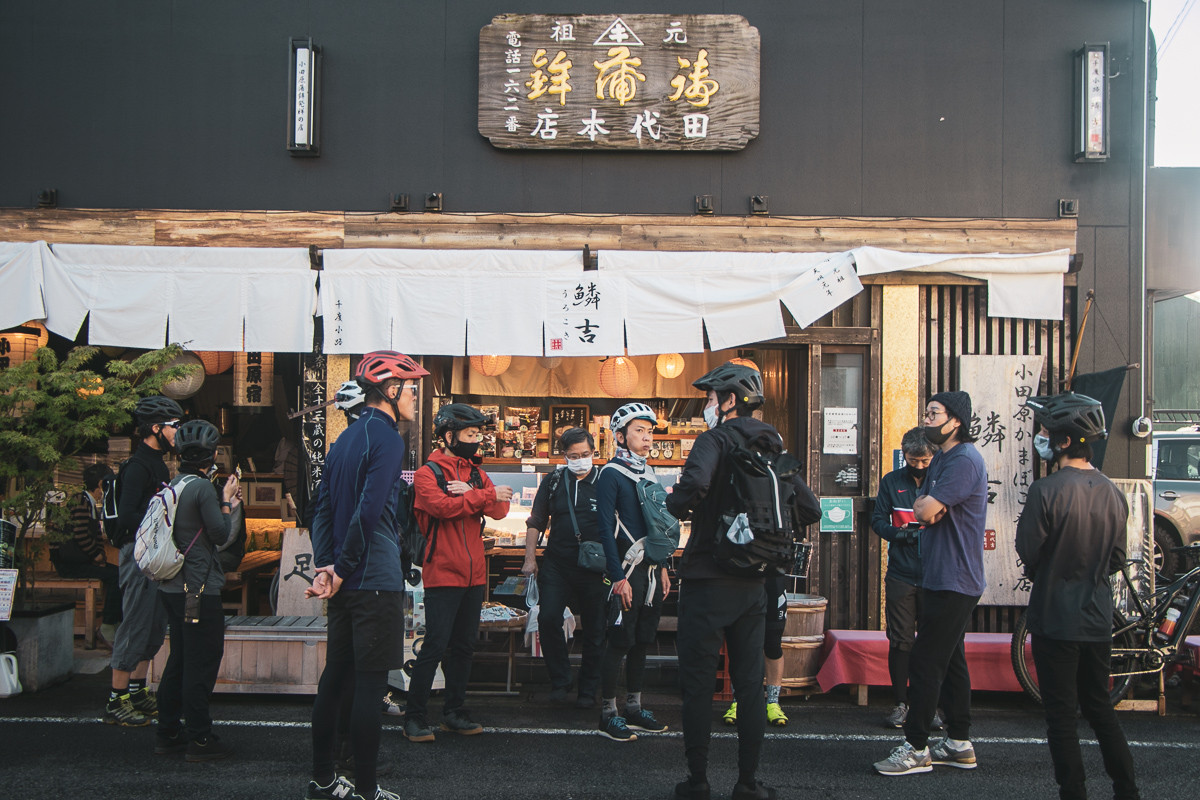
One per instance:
(937, 668)
(629, 640)
(1075, 675)
(109, 574)
(711, 611)
(451, 628)
(191, 671)
(560, 584)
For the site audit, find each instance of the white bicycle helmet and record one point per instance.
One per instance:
(628, 413)
(350, 398)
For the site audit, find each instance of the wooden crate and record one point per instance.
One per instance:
(801, 659)
(268, 655)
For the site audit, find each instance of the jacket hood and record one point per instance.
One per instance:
(758, 433)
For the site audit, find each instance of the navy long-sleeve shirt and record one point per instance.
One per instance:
(355, 525)
(616, 499)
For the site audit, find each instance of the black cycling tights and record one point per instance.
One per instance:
(340, 684)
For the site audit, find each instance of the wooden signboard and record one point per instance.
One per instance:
(629, 82)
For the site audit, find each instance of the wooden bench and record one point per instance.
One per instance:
(91, 588)
(254, 563)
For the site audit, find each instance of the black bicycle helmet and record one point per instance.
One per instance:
(745, 383)
(455, 417)
(1070, 413)
(197, 440)
(151, 410)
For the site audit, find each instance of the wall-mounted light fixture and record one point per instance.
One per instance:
(47, 198)
(1091, 103)
(704, 204)
(759, 205)
(398, 202)
(433, 202)
(304, 70)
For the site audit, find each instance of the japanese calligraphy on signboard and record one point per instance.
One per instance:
(582, 317)
(637, 81)
(1003, 427)
(253, 379)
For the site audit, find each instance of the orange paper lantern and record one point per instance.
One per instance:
(669, 365)
(618, 376)
(91, 386)
(215, 361)
(490, 366)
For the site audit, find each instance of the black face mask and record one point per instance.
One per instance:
(917, 473)
(935, 435)
(464, 449)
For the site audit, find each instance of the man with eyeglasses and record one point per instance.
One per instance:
(953, 507)
(144, 620)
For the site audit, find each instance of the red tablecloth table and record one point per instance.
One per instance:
(859, 658)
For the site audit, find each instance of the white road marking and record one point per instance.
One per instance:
(794, 737)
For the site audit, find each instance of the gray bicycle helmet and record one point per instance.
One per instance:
(197, 440)
(152, 410)
(1070, 413)
(745, 383)
(457, 416)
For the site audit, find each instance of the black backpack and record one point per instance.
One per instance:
(110, 487)
(418, 546)
(762, 517)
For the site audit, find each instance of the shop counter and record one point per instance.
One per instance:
(859, 658)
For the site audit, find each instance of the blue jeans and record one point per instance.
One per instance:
(560, 584)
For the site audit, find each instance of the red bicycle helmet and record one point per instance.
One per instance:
(380, 365)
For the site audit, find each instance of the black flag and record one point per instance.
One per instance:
(1106, 387)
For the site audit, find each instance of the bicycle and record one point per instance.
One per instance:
(1139, 648)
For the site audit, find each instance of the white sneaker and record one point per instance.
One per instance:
(905, 760)
(390, 707)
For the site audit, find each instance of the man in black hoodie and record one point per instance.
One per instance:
(715, 605)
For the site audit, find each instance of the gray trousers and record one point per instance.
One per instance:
(144, 626)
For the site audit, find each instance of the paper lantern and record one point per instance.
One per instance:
(91, 386)
(745, 362)
(490, 366)
(618, 376)
(669, 365)
(253, 379)
(549, 362)
(215, 361)
(183, 388)
(17, 345)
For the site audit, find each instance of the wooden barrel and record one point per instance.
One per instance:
(805, 615)
(801, 659)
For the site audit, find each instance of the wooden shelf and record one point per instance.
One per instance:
(555, 462)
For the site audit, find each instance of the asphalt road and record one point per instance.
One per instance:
(53, 745)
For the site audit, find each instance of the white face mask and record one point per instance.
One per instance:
(712, 417)
(580, 466)
(1042, 445)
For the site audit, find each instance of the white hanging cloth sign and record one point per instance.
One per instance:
(582, 317)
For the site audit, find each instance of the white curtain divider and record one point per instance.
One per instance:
(21, 283)
(1023, 286)
(215, 298)
(420, 301)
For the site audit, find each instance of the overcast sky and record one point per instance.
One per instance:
(1176, 25)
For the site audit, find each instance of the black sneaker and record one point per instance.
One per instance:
(338, 789)
(756, 792)
(643, 720)
(165, 745)
(120, 712)
(616, 729)
(686, 790)
(144, 702)
(207, 748)
(417, 729)
(460, 722)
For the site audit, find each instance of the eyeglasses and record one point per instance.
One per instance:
(413, 388)
(932, 415)
(171, 423)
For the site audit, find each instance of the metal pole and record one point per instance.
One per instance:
(1091, 295)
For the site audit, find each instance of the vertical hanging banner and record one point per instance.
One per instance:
(605, 82)
(1003, 428)
(314, 366)
(582, 317)
(254, 379)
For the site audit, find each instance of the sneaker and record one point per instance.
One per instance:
(391, 707)
(942, 753)
(121, 712)
(338, 789)
(730, 717)
(905, 760)
(207, 748)
(938, 723)
(460, 722)
(144, 703)
(380, 794)
(165, 745)
(758, 791)
(775, 715)
(417, 730)
(897, 717)
(557, 697)
(643, 720)
(616, 729)
(686, 790)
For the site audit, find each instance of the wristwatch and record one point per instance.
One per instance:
(227, 504)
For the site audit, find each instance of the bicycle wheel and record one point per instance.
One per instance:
(1121, 665)
(1021, 652)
